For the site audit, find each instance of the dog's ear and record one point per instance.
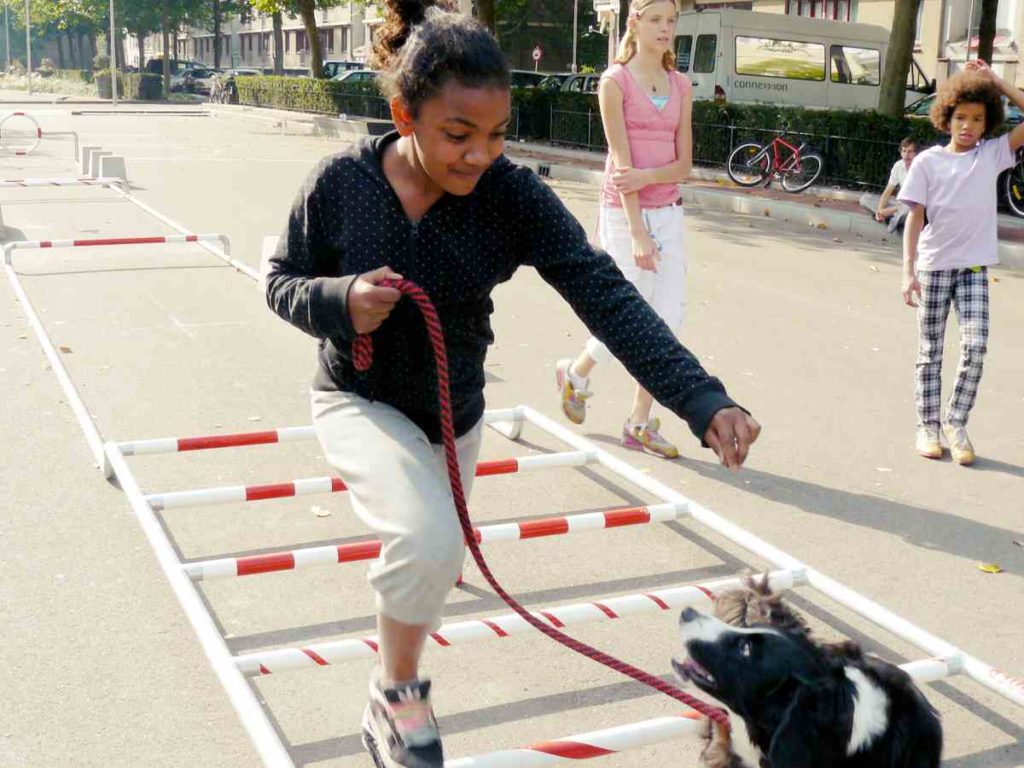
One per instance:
(796, 742)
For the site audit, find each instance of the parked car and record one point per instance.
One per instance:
(356, 77)
(526, 78)
(199, 80)
(581, 83)
(922, 107)
(553, 81)
(335, 67)
(243, 72)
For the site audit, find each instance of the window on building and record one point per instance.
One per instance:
(684, 47)
(855, 66)
(704, 55)
(330, 40)
(300, 42)
(838, 10)
(767, 57)
(287, 42)
(343, 43)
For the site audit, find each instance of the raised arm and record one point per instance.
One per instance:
(1015, 95)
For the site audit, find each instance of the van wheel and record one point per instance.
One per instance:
(749, 164)
(800, 179)
(1013, 189)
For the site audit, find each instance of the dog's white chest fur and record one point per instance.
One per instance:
(742, 746)
(870, 711)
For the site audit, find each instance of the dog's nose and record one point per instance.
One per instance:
(689, 614)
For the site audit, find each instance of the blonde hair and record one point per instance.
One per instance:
(627, 46)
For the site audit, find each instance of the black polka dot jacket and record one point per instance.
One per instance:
(347, 220)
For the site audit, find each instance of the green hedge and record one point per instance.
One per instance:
(131, 86)
(75, 75)
(306, 94)
(859, 147)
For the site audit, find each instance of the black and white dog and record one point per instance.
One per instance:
(796, 704)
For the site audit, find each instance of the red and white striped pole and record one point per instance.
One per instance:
(87, 181)
(315, 485)
(113, 241)
(274, 562)
(325, 654)
(243, 439)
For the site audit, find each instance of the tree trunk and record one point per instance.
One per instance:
(72, 59)
(60, 53)
(91, 36)
(485, 14)
(278, 44)
(165, 32)
(624, 16)
(141, 38)
(216, 34)
(987, 30)
(119, 49)
(307, 9)
(892, 97)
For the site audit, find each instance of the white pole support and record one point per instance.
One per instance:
(113, 167)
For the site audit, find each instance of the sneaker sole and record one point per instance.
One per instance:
(930, 455)
(631, 443)
(370, 744)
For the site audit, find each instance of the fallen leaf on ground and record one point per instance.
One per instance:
(989, 568)
(767, 212)
(321, 511)
(65, 350)
(822, 225)
(1018, 542)
(874, 269)
(884, 469)
(23, 336)
(836, 240)
(255, 418)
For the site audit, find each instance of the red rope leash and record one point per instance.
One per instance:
(362, 356)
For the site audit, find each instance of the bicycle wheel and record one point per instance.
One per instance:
(1013, 189)
(805, 174)
(748, 164)
(19, 133)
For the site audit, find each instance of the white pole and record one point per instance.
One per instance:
(575, 30)
(113, 59)
(28, 48)
(7, 33)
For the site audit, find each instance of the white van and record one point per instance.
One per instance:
(770, 58)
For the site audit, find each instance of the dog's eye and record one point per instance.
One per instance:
(746, 648)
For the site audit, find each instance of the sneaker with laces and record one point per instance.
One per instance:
(399, 729)
(573, 392)
(927, 443)
(645, 437)
(959, 444)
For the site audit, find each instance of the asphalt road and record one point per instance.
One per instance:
(97, 663)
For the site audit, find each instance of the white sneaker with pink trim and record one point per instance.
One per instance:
(399, 729)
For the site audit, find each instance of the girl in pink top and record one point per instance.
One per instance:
(645, 107)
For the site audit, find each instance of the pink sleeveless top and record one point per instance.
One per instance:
(651, 132)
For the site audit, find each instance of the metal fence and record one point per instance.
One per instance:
(858, 163)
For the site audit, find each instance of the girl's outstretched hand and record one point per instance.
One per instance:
(369, 304)
(731, 433)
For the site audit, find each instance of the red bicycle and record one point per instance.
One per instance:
(797, 167)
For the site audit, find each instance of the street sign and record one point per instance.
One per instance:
(537, 54)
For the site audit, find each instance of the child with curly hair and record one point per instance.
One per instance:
(946, 262)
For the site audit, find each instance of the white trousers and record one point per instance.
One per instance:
(664, 290)
(398, 485)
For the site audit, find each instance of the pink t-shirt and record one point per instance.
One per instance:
(651, 133)
(958, 192)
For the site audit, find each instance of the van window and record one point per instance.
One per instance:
(704, 56)
(684, 45)
(856, 66)
(767, 57)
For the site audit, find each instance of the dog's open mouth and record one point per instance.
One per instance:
(689, 669)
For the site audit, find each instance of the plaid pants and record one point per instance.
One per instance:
(967, 291)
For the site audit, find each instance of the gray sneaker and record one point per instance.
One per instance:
(399, 729)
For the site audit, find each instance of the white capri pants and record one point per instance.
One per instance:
(398, 485)
(664, 290)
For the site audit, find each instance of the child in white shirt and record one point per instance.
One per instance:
(945, 263)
